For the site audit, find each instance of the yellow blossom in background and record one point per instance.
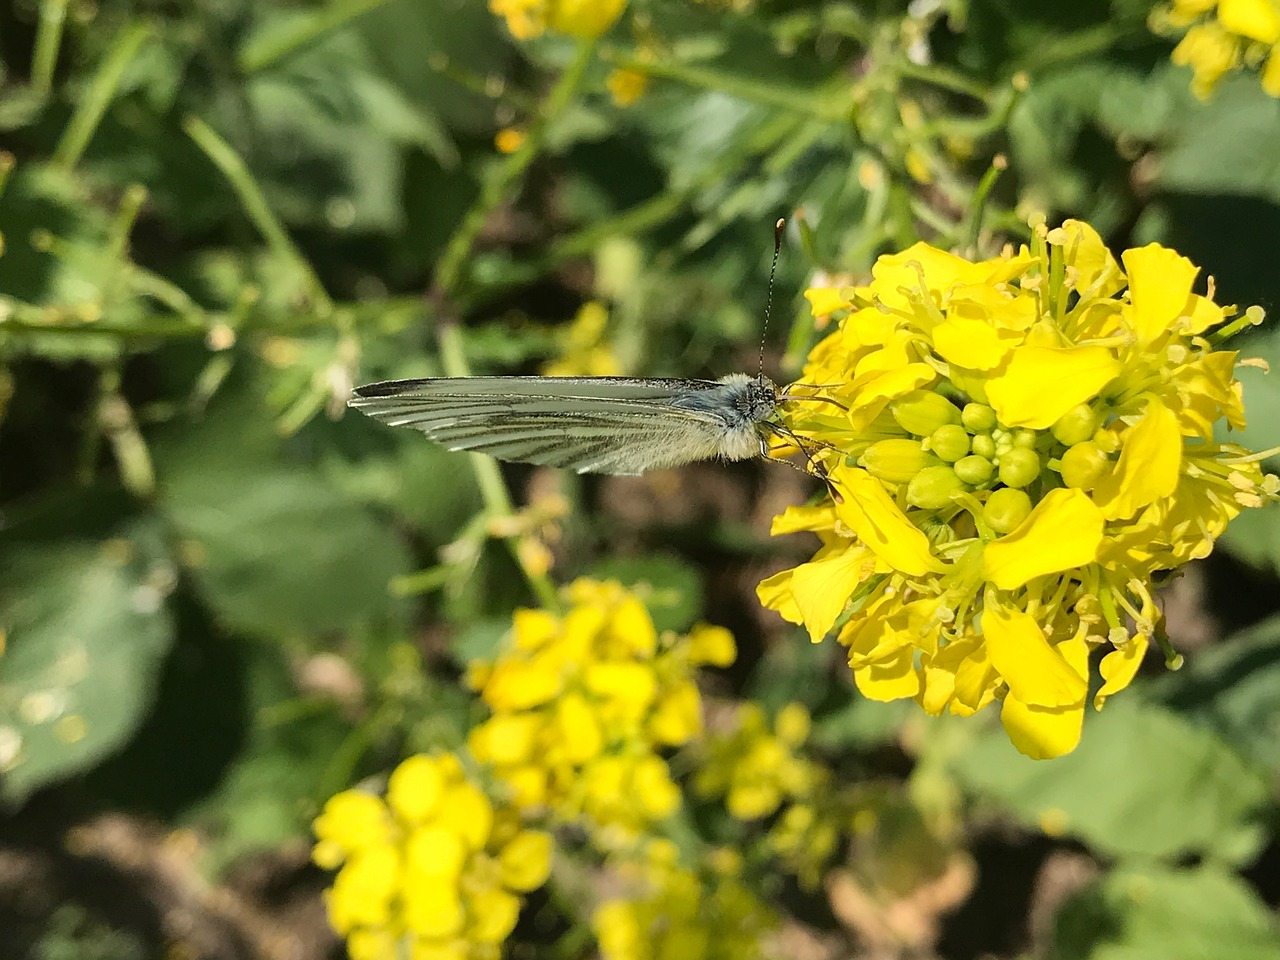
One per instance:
(626, 86)
(757, 770)
(583, 703)
(1027, 444)
(676, 912)
(432, 869)
(527, 19)
(584, 349)
(509, 140)
(1219, 36)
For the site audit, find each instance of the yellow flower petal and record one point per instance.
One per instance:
(890, 679)
(431, 906)
(1160, 282)
(1256, 19)
(973, 342)
(775, 593)
(414, 788)
(1119, 667)
(880, 525)
(825, 300)
(822, 587)
(1098, 274)
(941, 271)
(525, 862)
(1046, 732)
(1036, 671)
(1042, 383)
(1064, 531)
(1149, 464)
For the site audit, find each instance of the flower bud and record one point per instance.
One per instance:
(950, 442)
(1005, 509)
(1076, 425)
(920, 413)
(978, 418)
(1019, 467)
(1025, 438)
(896, 460)
(983, 445)
(932, 487)
(974, 470)
(1083, 465)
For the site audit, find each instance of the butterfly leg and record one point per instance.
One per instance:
(814, 468)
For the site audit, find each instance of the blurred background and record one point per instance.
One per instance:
(223, 600)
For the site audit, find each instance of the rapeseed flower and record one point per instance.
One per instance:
(679, 912)
(755, 769)
(1219, 36)
(433, 869)
(585, 19)
(1026, 446)
(583, 704)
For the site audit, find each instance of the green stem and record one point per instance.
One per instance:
(53, 16)
(255, 205)
(944, 78)
(493, 490)
(270, 47)
(496, 187)
(93, 102)
(827, 108)
(979, 202)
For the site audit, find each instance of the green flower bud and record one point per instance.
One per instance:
(920, 412)
(932, 487)
(974, 470)
(1076, 425)
(950, 442)
(1025, 438)
(1019, 467)
(1083, 465)
(978, 418)
(897, 460)
(1005, 509)
(983, 446)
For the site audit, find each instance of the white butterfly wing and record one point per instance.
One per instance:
(617, 425)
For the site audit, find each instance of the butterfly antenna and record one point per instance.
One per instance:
(768, 298)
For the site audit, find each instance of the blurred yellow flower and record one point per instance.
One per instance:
(1027, 445)
(756, 771)
(583, 702)
(626, 86)
(527, 19)
(1219, 36)
(584, 349)
(509, 140)
(432, 869)
(677, 912)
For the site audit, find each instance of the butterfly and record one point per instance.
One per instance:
(617, 425)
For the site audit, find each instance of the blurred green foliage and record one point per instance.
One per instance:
(222, 601)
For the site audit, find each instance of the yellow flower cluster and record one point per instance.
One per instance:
(756, 770)
(1020, 446)
(527, 19)
(1219, 36)
(676, 913)
(432, 871)
(583, 703)
(584, 349)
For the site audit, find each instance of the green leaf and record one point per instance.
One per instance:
(1143, 782)
(1156, 913)
(1233, 689)
(87, 631)
(275, 548)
